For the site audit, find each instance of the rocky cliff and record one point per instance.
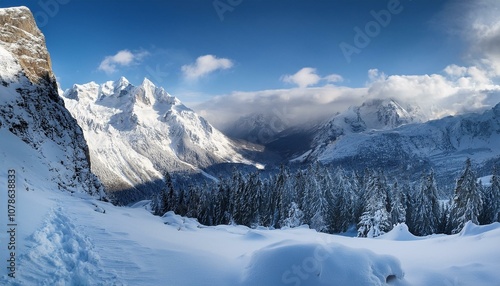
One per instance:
(33, 117)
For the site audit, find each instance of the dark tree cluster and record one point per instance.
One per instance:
(334, 201)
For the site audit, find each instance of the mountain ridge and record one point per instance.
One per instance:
(137, 133)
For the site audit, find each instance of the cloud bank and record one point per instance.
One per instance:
(455, 90)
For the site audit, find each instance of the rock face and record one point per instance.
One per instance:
(32, 115)
(20, 35)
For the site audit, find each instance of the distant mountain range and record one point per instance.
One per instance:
(383, 134)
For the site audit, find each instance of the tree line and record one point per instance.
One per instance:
(334, 201)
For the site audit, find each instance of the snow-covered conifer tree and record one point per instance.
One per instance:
(295, 216)
(375, 219)
(427, 210)
(398, 205)
(467, 202)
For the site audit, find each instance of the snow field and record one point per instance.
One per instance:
(72, 239)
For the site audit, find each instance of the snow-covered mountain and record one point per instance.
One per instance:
(442, 144)
(374, 114)
(36, 130)
(135, 133)
(258, 128)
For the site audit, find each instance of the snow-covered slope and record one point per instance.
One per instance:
(137, 132)
(75, 240)
(36, 130)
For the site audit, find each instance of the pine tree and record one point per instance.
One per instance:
(318, 205)
(295, 216)
(398, 207)
(375, 219)
(443, 220)
(495, 196)
(237, 187)
(343, 203)
(409, 193)
(467, 201)
(266, 209)
(427, 210)
(285, 194)
(258, 203)
(193, 202)
(299, 185)
(170, 201)
(491, 207)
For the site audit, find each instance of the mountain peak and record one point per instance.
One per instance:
(121, 82)
(146, 82)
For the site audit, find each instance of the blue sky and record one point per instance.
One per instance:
(201, 50)
(263, 39)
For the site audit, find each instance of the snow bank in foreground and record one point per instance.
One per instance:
(291, 263)
(400, 232)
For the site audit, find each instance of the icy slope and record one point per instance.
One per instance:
(69, 239)
(32, 115)
(137, 132)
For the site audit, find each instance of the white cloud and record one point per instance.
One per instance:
(122, 58)
(333, 78)
(308, 76)
(303, 78)
(455, 71)
(205, 65)
(376, 75)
